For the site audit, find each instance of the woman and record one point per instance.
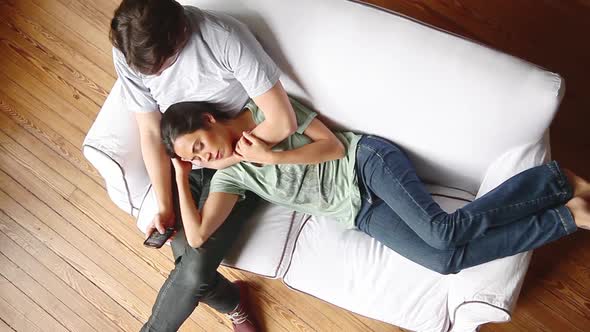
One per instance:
(368, 183)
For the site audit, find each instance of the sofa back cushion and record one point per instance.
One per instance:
(454, 104)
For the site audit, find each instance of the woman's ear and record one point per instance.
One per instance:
(210, 118)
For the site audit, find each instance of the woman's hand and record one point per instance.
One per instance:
(251, 148)
(181, 168)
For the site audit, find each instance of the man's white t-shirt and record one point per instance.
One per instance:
(222, 63)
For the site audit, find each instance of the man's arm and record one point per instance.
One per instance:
(138, 99)
(279, 122)
(324, 146)
(157, 164)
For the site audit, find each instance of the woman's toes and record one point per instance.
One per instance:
(580, 209)
(580, 186)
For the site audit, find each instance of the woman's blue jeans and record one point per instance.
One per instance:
(523, 213)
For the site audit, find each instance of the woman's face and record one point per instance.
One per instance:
(203, 145)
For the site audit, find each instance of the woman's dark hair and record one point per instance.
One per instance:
(148, 32)
(184, 118)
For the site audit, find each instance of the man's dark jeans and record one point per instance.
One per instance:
(195, 278)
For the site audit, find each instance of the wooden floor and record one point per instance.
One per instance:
(72, 261)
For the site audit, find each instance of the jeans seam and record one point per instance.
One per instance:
(562, 221)
(561, 178)
(391, 174)
(164, 291)
(520, 203)
(556, 173)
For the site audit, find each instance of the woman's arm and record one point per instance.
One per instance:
(325, 146)
(198, 226)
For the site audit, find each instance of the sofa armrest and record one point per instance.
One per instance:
(112, 146)
(488, 293)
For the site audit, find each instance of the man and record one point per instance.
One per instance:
(165, 53)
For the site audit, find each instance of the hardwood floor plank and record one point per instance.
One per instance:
(28, 88)
(36, 291)
(89, 188)
(103, 77)
(94, 262)
(76, 38)
(26, 161)
(61, 71)
(89, 260)
(18, 113)
(29, 309)
(78, 220)
(132, 239)
(129, 237)
(310, 310)
(87, 12)
(106, 8)
(24, 50)
(62, 279)
(568, 299)
(13, 66)
(32, 109)
(5, 327)
(31, 145)
(274, 314)
(97, 37)
(15, 319)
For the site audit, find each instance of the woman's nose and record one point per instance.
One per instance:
(205, 156)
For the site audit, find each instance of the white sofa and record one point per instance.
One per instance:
(468, 115)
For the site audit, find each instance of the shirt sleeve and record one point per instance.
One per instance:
(226, 181)
(248, 61)
(136, 96)
(303, 115)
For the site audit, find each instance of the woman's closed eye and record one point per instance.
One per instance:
(197, 147)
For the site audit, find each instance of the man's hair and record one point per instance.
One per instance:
(184, 118)
(148, 32)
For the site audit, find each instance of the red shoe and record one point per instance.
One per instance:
(240, 317)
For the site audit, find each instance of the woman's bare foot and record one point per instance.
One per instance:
(580, 209)
(580, 186)
(579, 205)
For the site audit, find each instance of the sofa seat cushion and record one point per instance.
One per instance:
(348, 268)
(260, 248)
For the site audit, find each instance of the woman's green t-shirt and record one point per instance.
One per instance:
(327, 189)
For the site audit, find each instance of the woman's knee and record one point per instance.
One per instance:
(441, 234)
(440, 241)
(442, 267)
(194, 273)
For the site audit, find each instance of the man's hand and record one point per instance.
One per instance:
(161, 221)
(251, 148)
